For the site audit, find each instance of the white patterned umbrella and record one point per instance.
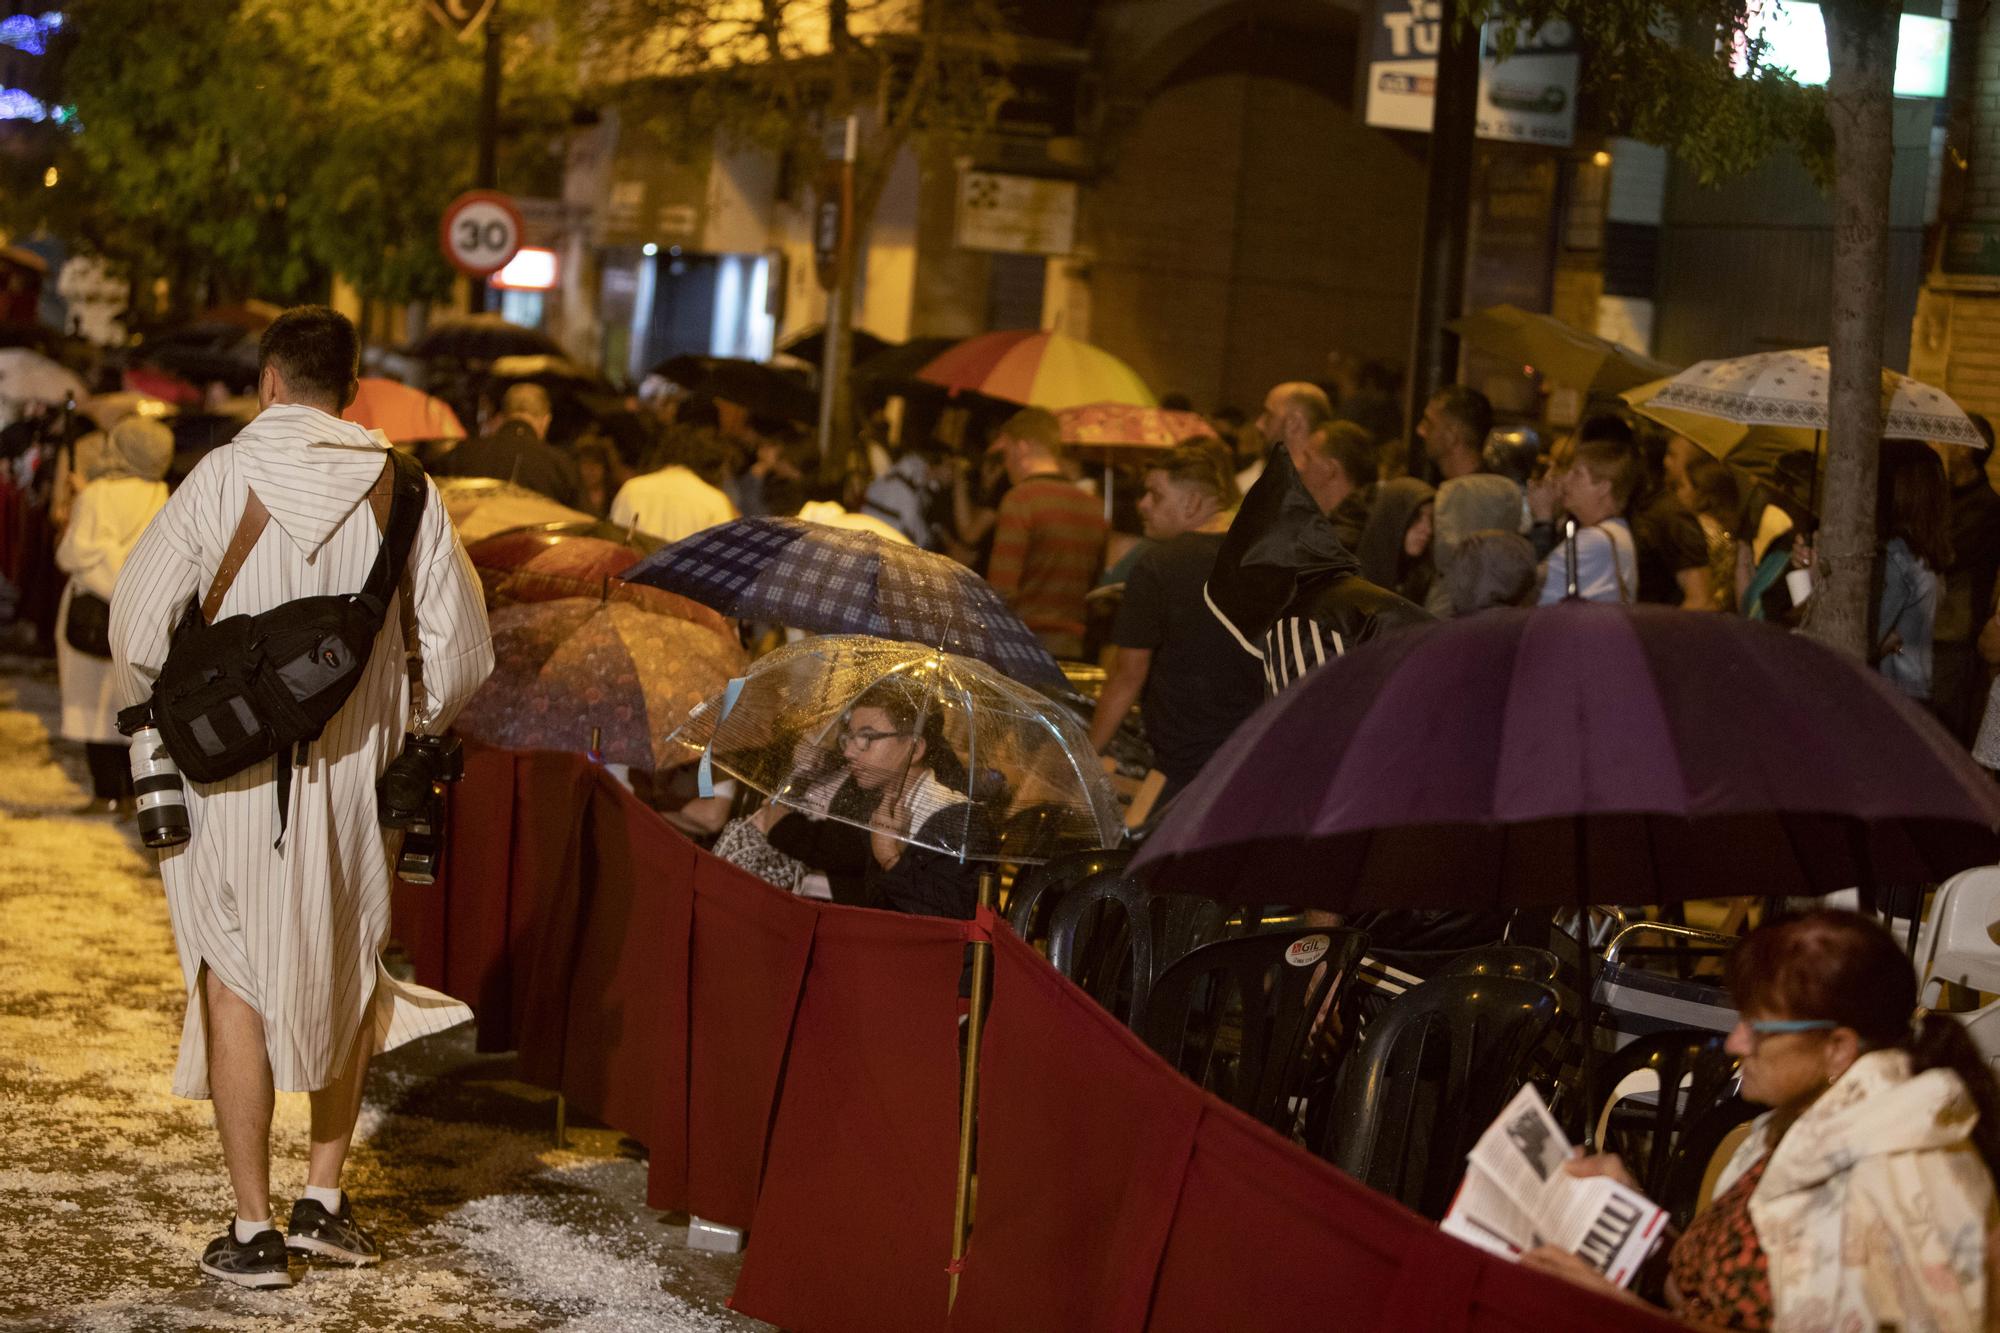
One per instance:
(1790, 389)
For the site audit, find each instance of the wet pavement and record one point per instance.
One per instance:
(110, 1186)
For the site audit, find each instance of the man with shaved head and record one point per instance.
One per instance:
(516, 450)
(1292, 412)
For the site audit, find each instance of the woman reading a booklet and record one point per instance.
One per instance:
(1864, 1198)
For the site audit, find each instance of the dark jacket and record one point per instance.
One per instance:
(515, 453)
(1287, 589)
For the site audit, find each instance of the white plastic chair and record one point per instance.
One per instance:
(1960, 942)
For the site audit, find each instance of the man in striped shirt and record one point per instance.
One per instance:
(1048, 542)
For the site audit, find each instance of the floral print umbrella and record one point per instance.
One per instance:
(564, 667)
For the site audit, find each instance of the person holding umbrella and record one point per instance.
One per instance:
(897, 777)
(1864, 1197)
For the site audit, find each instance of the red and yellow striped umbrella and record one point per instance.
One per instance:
(1039, 368)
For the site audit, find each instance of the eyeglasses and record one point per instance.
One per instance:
(861, 742)
(1774, 1027)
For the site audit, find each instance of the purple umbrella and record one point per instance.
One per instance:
(1578, 753)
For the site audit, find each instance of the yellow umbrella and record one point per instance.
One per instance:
(1560, 351)
(1752, 448)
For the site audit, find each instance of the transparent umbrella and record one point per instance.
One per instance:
(937, 750)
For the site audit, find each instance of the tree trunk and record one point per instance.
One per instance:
(1861, 41)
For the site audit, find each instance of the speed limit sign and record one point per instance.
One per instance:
(480, 232)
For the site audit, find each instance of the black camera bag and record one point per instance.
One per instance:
(238, 691)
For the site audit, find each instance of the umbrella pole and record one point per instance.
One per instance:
(982, 962)
(1107, 492)
(1587, 985)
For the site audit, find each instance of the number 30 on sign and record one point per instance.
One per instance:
(480, 232)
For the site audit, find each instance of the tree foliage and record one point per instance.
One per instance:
(262, 146)
(1665, 73)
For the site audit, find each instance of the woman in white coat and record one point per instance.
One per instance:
(122, 490)
(1864, 1198)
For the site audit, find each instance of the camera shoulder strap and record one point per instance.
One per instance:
(381, 499)
(248, 529)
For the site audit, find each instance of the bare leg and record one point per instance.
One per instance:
(335, 1108)
(239, 1077)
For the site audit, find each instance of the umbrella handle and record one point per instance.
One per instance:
(1569, 557)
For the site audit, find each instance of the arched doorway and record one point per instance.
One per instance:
(1247, 222)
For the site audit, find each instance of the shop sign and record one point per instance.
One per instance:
(1021, 215)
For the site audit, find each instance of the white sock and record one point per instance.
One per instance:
(328, 1199)
(247, 1231)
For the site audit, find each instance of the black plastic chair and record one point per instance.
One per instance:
(1235, 1015)
(1645, 1135)
(1428, 1077)
(1038, 887)
(1112, 938)
(1694, 1151)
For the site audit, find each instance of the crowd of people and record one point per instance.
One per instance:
(1205, 577)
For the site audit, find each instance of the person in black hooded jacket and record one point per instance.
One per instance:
(1285, 587)
(1291, 594)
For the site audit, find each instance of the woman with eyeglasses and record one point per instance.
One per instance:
(1863, 1199)
(896, 793)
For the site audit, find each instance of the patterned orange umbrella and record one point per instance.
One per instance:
(1109, 430)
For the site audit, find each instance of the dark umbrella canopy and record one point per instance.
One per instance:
(1578, 753)
(752, 385)
(810, 345)
(830, 580)
(483, 337)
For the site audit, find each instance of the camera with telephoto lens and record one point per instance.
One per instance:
(156, 781)
(410, 796)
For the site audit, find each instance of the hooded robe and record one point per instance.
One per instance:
(295, 926)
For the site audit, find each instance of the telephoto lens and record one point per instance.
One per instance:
(157, 790)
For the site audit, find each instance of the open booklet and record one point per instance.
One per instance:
(1516, 1196)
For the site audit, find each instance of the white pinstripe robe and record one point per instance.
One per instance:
(297, 931)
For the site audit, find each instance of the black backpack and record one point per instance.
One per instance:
(238, 691)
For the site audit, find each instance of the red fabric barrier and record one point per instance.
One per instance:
(1084, 1136)
(550, 788)
(747, 962)
(624, 1037)
(853, 1228)
(1265, 1232)
(456, 929)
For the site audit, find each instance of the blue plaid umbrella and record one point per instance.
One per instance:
(837, 581)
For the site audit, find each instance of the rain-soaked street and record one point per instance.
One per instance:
(109, 1186)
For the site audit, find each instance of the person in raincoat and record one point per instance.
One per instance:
(121, 471)
(1864, 1198)
(279, 936)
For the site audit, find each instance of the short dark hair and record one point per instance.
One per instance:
(1606, 426)
(1469, 408)
(317, 351)
(1352, 447)
(1199, 462)
(1612, 460)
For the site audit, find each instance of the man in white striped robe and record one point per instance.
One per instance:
(279, 941)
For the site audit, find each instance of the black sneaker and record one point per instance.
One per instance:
(315, 1231)
(258, 1263)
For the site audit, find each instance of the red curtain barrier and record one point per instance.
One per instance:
(720, 1020)
(1084, 1136)
(747, 962)
(853, 1228)
(625, 1020)
(456, 929)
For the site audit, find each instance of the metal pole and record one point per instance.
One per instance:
(1447, 210)
(982, 965)
(840, 301)
(487, 176)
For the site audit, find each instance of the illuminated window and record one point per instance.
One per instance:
(530, 270)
